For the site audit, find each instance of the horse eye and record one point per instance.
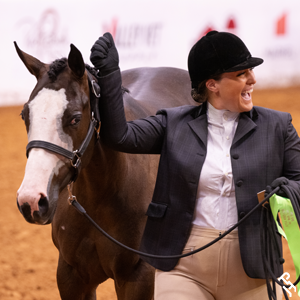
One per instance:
(75, 120)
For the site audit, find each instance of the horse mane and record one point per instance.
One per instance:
(57, 67)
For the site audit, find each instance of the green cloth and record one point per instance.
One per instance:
(291, 230)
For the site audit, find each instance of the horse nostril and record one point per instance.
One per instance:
(43, 205)
(19, 206)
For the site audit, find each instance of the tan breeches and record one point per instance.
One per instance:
(215, 273)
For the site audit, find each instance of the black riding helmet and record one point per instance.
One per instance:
(217, 53)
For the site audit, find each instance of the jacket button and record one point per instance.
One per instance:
(239, 183)
(235, 156)
(242, 214)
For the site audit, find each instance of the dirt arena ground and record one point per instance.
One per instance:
(28, 258)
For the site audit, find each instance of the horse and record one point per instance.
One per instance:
(114, 188)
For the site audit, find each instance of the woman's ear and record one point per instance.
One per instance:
(211, 85)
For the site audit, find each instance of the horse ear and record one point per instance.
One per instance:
(34, 66)
(76, 62)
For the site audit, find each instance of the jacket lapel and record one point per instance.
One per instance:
(246, 124)
(199, 124)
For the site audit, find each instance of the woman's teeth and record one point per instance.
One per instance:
(247, 95)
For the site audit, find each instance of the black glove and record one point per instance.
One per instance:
(104, 55)
(278, 182)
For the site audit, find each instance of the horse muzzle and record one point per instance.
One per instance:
(42, 216)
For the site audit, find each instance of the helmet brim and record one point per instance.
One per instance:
(247, 64)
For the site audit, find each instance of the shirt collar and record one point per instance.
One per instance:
(220, 115)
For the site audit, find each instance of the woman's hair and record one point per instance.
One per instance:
(200, 94)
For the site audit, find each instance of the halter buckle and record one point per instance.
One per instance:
(97, 126)
(76, 160)
(96, 88)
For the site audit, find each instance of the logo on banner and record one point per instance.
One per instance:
(137, 41)
(229, 27)
(281, 25)
(280, 49)
(44, 37)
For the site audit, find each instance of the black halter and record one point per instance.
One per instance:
(75, 156)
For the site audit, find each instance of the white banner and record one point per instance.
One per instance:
(147, 33)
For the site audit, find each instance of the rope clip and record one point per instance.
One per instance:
(71, 197)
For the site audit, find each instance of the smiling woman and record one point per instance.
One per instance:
(212, 165)
(232, 91)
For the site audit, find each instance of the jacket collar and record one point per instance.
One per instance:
(246, 124)
(252, 114)
(199, 123)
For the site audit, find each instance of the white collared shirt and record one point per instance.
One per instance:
(216, 203)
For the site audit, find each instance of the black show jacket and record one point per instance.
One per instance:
(265, 146)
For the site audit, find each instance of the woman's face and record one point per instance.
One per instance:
(233, 91)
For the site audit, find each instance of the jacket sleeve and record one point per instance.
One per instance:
(138, 136)
(291, 166)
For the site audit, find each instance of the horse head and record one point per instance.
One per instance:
(57, 113)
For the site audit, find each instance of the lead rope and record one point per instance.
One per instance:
(73, 201)
(266, 242)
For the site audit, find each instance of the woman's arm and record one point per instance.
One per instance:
(139, 136)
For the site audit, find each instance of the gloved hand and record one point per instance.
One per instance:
(278, 182)
(104, 55)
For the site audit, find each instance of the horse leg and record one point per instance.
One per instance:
(71, 286)
(139, 285)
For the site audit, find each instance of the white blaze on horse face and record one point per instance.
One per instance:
(45, 113)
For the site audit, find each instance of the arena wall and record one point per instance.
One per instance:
(147, 33)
